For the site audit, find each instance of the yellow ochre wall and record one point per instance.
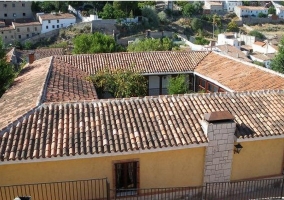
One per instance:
(258, 159)
(160, 169)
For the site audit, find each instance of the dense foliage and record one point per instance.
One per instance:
(196, 24)
(257, 34)
(178, 85)
(277, 63)
(149, 44)
(120, 83)
(152, 17)
(95, 43)
(232, 27)
(7, 73)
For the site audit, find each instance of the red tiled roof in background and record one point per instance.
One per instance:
(238, 75)
(136, 124)
(68, 83)
(46, 52)
(144, 62)
(57, 16)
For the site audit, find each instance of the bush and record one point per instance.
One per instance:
(178, 85)
(262, 15)
(257, 34)
(201, 41)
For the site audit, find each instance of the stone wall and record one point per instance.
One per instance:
(219, 152)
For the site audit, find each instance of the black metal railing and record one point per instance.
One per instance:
(99, 189)
(251, 189)
(194, 193)
(67, 190)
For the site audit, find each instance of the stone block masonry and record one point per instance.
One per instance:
(220, 149)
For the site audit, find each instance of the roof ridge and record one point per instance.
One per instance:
(43, 91)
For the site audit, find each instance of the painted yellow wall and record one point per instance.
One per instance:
(159, 169)
(258, 159)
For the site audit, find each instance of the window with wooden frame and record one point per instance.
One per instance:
(126, 177)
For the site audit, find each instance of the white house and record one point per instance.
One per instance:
(263, 58)
(212, 7)
(230, 5)
(263, 47)
(229, 38)
(55, 21)
(253, 11)
(280, 11)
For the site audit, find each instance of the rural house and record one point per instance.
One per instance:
(54, 128)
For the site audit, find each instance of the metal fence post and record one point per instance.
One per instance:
(108, 189)
(282, 190)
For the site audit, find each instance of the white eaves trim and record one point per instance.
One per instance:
(100, 155)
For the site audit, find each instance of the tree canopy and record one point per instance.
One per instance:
(152, 16)
(149, 44)
(196, 24)
(120, 83)
(7, 73)
(178, 85)
(95, 43)
(232, 26)
(277, 63)
(257, 34)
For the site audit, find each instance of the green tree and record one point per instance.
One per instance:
(277, 63)
(262, 15)
(151, 15)
(120, 83)
(178, 85)
(162, 17)
(257, 34)
(7, 73)
(232, 26)
(108, 11)
(188, 10)
(95, 43)
(272, 10)
(196, 24)
(150, 44)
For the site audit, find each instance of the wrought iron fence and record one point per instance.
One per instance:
(99, 189)
(194, 193)
(67, 190)
(251, 189)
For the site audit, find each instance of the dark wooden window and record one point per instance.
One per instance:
(126, 178)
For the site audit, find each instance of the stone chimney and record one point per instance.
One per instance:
(220, 128)
(31, 57)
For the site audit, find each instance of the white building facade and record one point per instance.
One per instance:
(252, 11)
(230, 5)
(51, 22)
(280, 12)
(262, 47)
(229, 38)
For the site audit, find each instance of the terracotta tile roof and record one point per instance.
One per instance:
(238, 75)
(57, 16)
(25, 92)
(38, 83)
(145, 62)
(46, 52)
(6, 28)
(252, 7)
(233, 52)
(10, 55)
(68, 83)
(26, 24)
(136, 124)
(259, 43)
(263, 57)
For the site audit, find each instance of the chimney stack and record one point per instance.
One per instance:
(31, 58)
(220, 129)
